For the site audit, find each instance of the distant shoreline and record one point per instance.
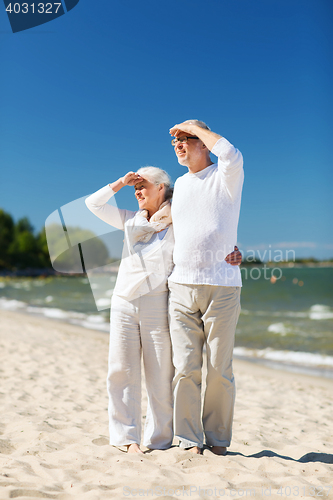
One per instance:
(290, 265)
(38, 273)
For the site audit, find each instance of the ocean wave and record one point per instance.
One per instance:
(52, 312)
(11, 304)
(291, 357)
(279, 328)
(316, 312)
(39, 283)
(103, 302)
(91, 321)
(319, 312)
(95, 319)
(103, 326)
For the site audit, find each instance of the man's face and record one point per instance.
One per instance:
(190, 151)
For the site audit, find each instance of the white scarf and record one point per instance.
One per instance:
(140, 229)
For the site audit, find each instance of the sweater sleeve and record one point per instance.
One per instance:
(230, 166)
(97, 204)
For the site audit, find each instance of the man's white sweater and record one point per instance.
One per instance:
(205, 213)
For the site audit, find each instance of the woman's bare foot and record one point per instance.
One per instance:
(195, 449)
(134, 448)
(219, 450)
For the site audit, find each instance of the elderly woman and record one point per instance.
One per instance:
(139, 311)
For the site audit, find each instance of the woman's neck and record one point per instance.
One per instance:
(152, 211)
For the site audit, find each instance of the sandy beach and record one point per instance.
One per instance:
(54, 428)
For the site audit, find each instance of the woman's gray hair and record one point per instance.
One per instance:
(158, 176)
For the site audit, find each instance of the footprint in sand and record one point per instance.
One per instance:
(102, 441)
(30, 493)
(6, 447)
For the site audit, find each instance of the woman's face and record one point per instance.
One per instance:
(149, 196)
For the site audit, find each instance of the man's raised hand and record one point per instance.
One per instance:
(185, 127)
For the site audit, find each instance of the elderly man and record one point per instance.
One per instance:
(204, 302)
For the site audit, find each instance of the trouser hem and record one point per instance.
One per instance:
(183, 443)
(226, 444)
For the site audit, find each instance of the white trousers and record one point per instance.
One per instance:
(203, 314)
(140, 326)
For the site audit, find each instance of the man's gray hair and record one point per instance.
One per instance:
(199, 123)
(158, 176)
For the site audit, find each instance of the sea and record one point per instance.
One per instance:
(286, 319)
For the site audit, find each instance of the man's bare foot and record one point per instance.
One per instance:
(195, 449)
(219, 450)
(134, 448)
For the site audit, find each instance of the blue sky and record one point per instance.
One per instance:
(92, 95)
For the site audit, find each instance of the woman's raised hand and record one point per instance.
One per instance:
(131, 178)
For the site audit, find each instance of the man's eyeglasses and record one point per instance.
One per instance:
(182, 139)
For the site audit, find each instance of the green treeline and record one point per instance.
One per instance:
(20, 247)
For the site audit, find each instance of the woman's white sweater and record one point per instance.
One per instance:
(144, 267)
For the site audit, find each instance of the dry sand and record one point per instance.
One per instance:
(54, 428)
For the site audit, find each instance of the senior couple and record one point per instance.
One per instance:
(178, 288)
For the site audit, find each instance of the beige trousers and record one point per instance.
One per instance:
(200, 314)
